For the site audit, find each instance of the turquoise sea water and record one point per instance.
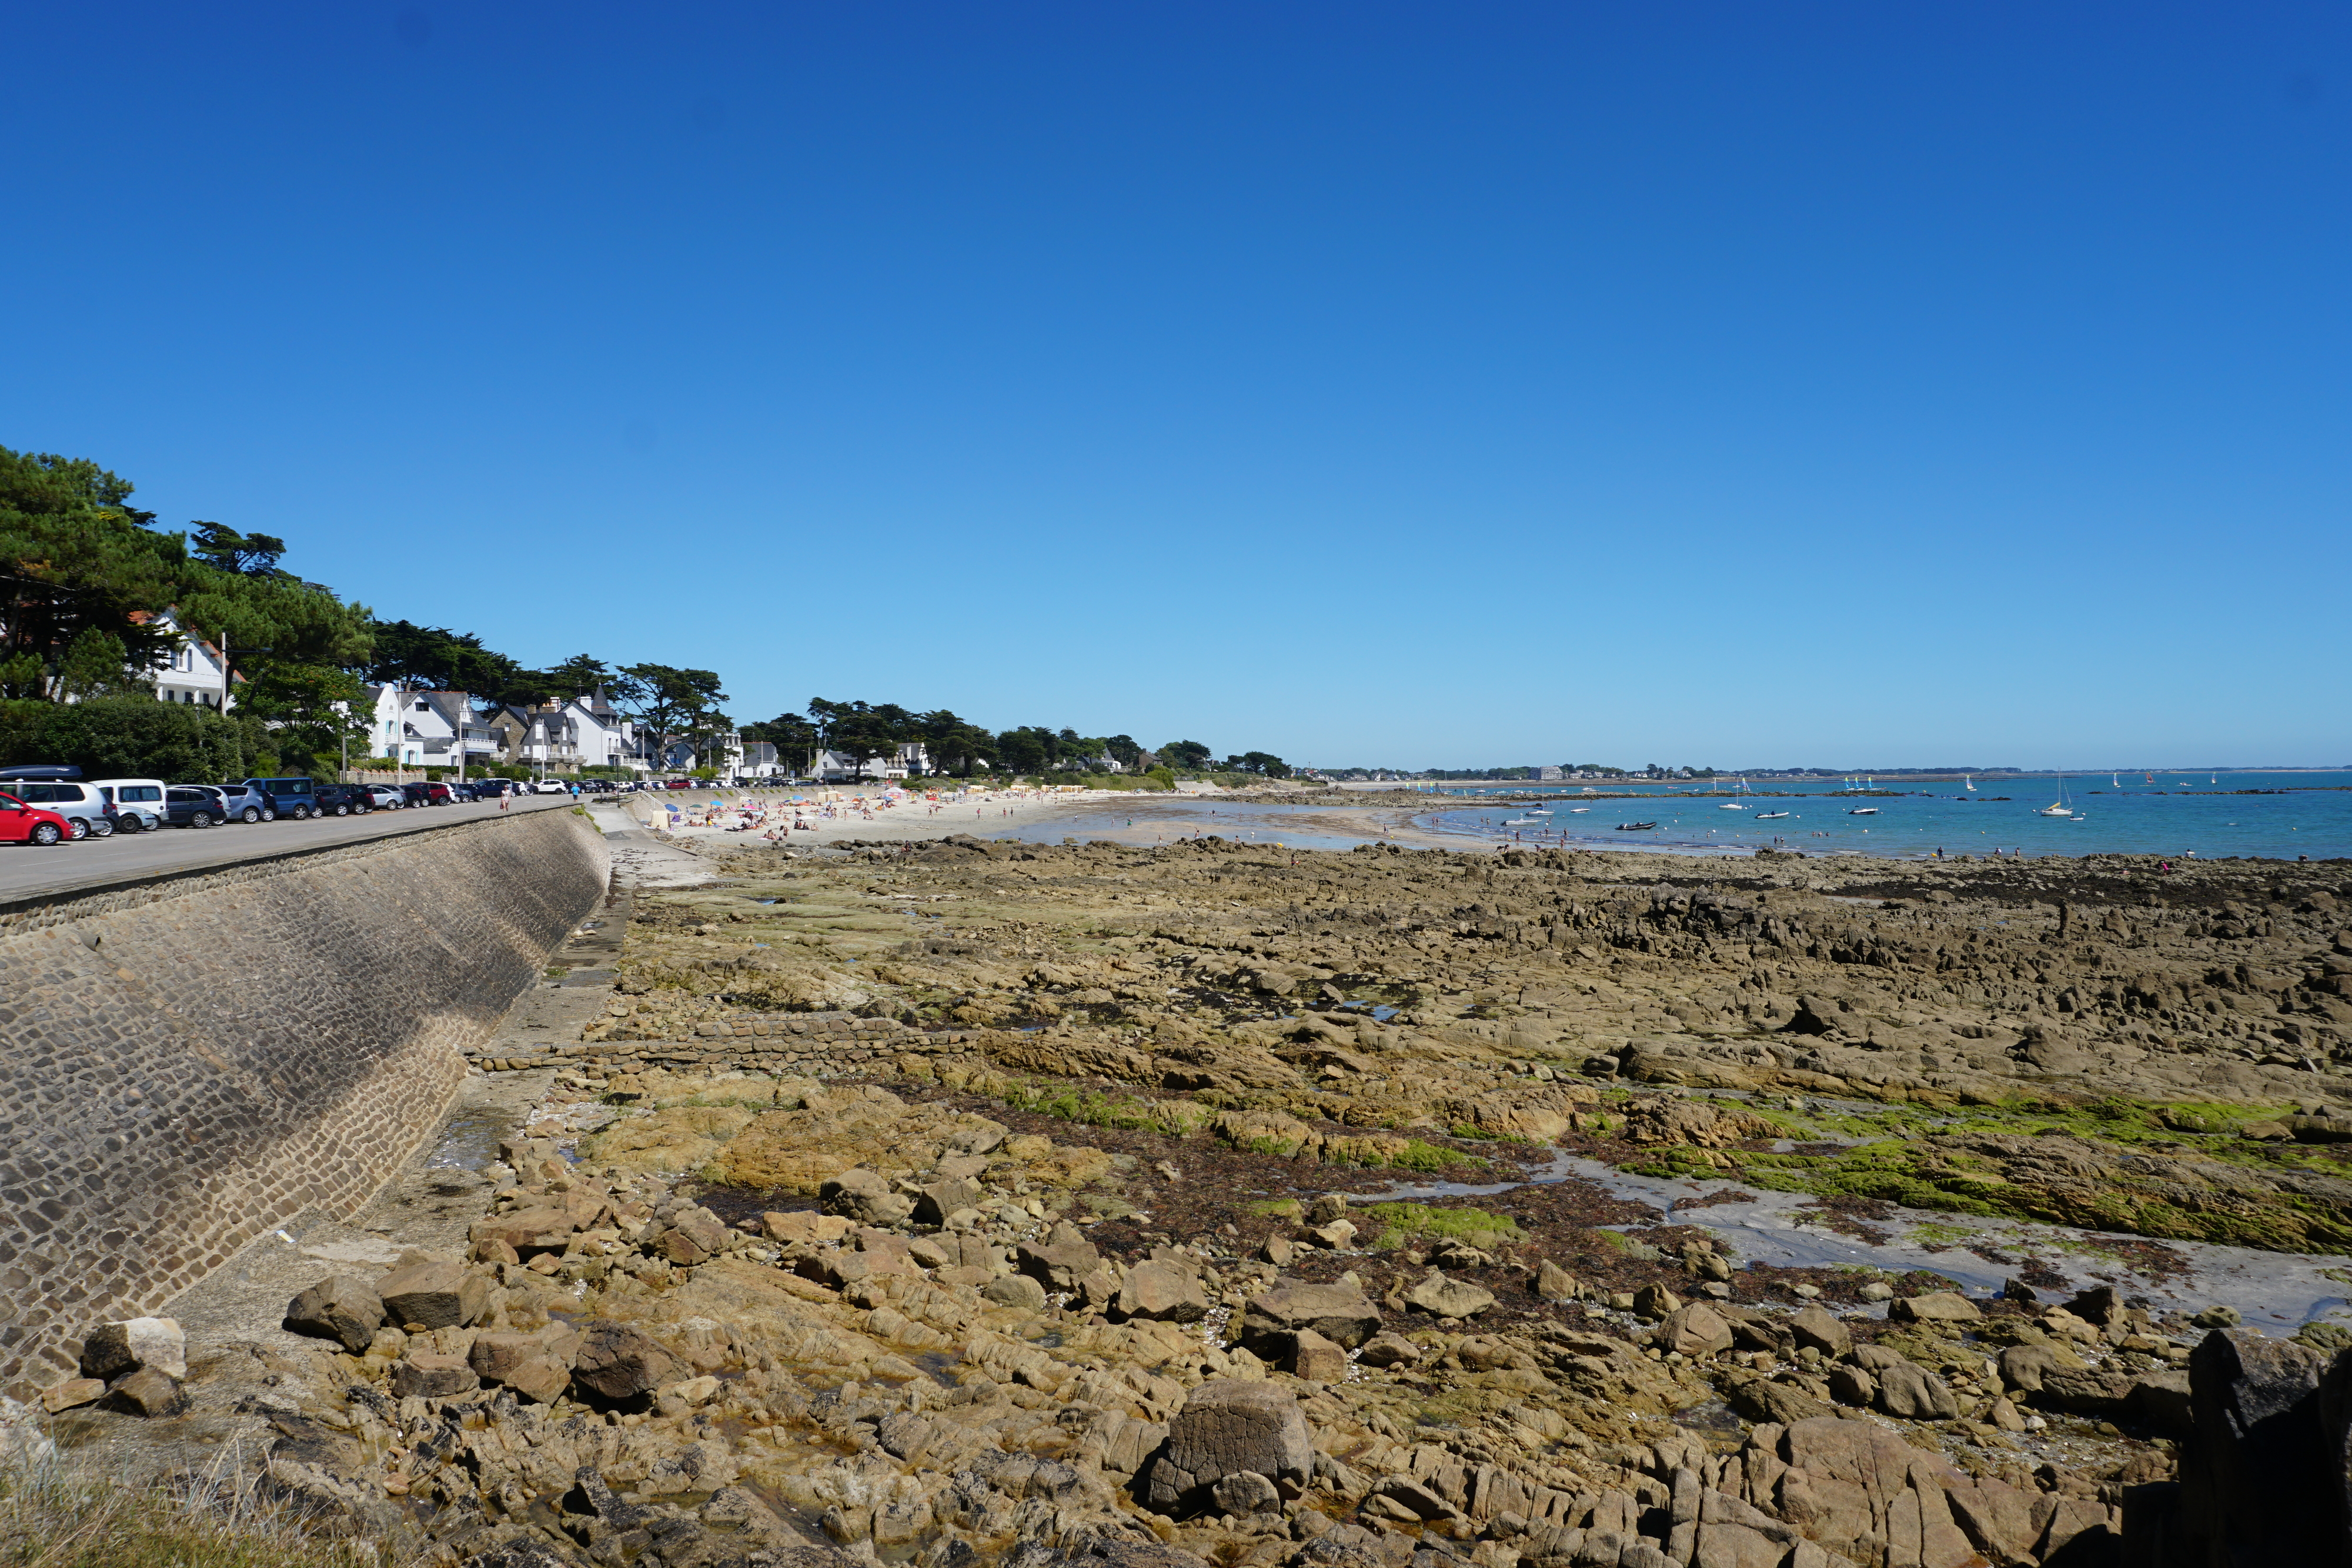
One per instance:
(2201, 816)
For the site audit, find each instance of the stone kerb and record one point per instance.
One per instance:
(187, 1063)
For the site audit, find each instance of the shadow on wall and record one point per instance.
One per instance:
(187, 1065)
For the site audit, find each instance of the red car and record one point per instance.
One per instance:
(20, 824)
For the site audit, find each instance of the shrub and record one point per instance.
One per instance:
(135, 738)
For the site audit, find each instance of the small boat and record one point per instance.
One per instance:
(1635, 827)
(1770, 816)
(1862, 810)
(1730, 806)
(1539, 811)
(1577, 810)
(1972, 783)
(1518, 822)
(2059, 808)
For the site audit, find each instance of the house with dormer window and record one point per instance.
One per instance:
(423, 728)
(193, 672)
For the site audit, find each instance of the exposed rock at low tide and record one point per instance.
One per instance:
(1072, 1249)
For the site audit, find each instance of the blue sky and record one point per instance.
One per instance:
(1428, 385)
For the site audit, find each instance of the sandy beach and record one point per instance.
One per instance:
(815, 817)
(818, 815)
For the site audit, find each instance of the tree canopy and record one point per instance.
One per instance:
(86, 574)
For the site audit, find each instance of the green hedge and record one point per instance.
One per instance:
(139, 738)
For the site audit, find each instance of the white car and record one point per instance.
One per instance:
(384, 798)
(138, 802)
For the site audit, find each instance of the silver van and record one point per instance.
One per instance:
(137, 803)
(80, 804)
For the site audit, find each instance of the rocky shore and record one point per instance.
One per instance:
(964, 1202)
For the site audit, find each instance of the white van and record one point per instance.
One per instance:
(80, 804)
(137, 803)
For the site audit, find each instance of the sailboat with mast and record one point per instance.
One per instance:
(2060, 809)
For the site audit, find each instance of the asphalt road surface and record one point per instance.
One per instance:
(30, 871)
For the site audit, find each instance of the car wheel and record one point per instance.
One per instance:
(342, 809)
(251, 814)
(126, 825)
(268, 815)
(200, 819)
(101, 829)
(46, 833)
(75, 828)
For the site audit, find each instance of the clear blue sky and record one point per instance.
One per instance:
(1753, 384)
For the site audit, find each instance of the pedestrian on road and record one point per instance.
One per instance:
(505, 796)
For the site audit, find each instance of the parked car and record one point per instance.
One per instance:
(24, 824)
(80, 804)
(426, 794)
(243, 803)
(295, 797)
(384, 798)
(134, 804)
(341, 800)
(194, 805)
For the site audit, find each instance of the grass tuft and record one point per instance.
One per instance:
(54, 1515)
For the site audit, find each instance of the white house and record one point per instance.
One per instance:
(909, 760)
(193, 672)
(579, 732)
(421, 728)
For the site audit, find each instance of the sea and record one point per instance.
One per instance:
(2203, 815)
(2285, 815)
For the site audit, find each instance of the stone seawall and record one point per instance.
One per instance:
(188, 1062)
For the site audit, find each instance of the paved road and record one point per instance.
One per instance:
(28, 872)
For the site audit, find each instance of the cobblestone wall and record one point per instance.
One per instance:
(187, 1064)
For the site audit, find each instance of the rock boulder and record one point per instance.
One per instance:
(432, 1295)
(1167, 1292)
(116, 1350)
(1695, 1330)
(425, 1375)
(1225, 1428)
(618, 1364)
(1823, 1330)
(1340, 1313)
(1445, 1298)
(338, 1308)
